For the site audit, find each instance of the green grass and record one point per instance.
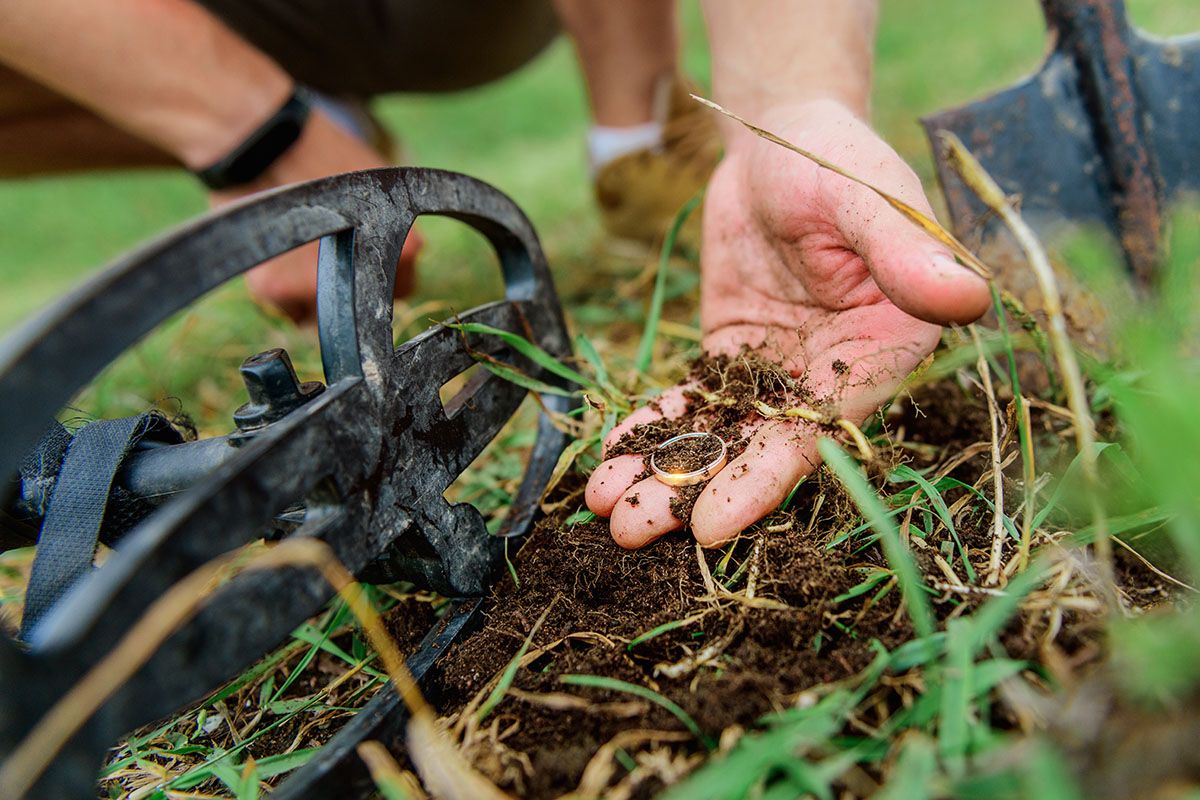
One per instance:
(524, 134)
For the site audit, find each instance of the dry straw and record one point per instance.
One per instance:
(443, 769)
(981, 183)
(977, 179)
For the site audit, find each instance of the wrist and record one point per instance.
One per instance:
(324, 148)
(213, 120)
(255, 155)
(789, 119)
(210, 133)
(771, 54)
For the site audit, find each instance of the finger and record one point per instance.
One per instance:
(643, 514)
(916, 272)
(610, 480)
(669, 405)
(756, 482)
(782, 451)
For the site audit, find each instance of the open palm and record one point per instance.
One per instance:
(816, 273)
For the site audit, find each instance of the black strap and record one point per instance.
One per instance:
(71, 528)
(260, 149)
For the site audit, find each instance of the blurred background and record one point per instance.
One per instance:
(524, 134)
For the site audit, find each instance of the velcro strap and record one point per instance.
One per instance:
(71, 528)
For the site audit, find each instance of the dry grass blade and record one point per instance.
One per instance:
(810, 415)
(393, 782)
(564, 701)
(443, 769)
(925, 223)
(710, 653)
(972, 173)
(566, 460)
(1148, 564)
(29, 759)
(985, 374)
(600, 769)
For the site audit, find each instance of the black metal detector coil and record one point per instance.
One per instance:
(361, 465)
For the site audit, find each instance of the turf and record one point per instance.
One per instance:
(524, 135)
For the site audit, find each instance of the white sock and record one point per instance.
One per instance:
(606, 144)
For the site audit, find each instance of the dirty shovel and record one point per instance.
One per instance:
(1107, 131)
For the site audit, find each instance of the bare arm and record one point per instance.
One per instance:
(171, 74)
(166, 71)
(801, 265)
(767, 53)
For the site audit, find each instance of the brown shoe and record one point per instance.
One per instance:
(640, 193)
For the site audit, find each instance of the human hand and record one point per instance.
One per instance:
(816, 273)
(289, 282)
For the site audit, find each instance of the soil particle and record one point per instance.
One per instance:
(724, 393)
(683, 501)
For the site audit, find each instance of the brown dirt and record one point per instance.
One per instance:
(723, 393)
(726, 660)
(687, 455)
(755, 656)
(766, 655)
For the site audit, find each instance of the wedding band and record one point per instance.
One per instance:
(675, 478)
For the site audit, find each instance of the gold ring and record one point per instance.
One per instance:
(676, 477)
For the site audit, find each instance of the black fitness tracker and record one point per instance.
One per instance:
(260, 149)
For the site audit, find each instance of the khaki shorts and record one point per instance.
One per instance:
(360, 48)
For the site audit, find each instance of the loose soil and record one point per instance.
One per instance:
(687, 455)
(729, 634)
(723, 393)
(729, 664)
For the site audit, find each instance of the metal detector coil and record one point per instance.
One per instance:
(361, 464)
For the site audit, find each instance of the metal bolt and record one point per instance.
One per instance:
(274, 389)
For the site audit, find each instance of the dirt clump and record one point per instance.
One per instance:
(722, 393)
(689, 454)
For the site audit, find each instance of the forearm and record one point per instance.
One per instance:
(773, 53)
(165, 71)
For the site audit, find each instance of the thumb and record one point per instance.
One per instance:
(918, 273)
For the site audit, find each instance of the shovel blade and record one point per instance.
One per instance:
(1047, 143)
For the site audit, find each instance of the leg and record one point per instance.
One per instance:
(43, 132)
(651, 147)
(626, 48)
(362, 48)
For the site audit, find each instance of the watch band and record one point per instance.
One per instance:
(261, 148)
